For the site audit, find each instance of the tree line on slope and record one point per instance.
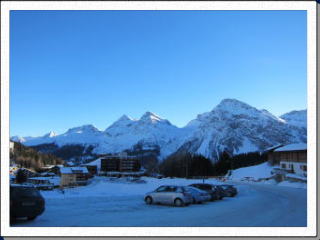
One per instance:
(28, 157)
(193, 165)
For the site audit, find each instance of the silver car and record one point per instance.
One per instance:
(198, 195)
(173, 195)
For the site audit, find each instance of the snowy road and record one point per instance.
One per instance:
(255, 205)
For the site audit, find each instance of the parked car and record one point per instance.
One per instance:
(214, 193)
(25, 201)
(220, 191)
(173, 195)
(198, 195)
(229, 190)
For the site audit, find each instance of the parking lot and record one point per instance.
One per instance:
(98, 205)
(255, 205)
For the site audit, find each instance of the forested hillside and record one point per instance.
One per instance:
(27, 157)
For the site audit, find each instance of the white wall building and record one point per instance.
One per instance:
(11, 145)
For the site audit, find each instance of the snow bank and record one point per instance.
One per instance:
(293, 184)
(258, 171)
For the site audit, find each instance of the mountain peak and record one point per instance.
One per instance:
(234, 107)
(124, 117)
(84, 128)
(150, 116)
(50, 134)
(231, 102)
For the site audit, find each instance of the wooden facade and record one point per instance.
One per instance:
(290, 159)
(74, 176)
(291, 156)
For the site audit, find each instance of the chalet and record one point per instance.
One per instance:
(42, 183)
(93, 170)
(120, 163)
(92, 167)
(292, 159)
(74, 176)
(55, 169)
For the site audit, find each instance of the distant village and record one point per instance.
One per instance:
(289, 163)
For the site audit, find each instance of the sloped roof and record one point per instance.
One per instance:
(292, 147)
(71, 170)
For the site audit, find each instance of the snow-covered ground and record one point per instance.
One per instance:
(118, 203)
(262, 171)
(258, 171)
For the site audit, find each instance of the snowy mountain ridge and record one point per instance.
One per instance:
(231, 126)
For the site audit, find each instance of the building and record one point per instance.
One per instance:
(11, 145)
(42, 183)
(92, 169)
(120, 163)
(292, 159)
(73, 176)
(55, 169)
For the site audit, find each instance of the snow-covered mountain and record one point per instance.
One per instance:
(150, 132)
(296, 118)
(232, 126)
(236, 127)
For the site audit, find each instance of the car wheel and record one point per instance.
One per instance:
(194, 201)
(178, 202)
(32, 218)
(148, 200)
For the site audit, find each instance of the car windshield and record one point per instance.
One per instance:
(172, 189)
(162, 189)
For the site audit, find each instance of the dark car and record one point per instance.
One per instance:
(230, 190)
(214, 193)
(25, 201)
(221, 192)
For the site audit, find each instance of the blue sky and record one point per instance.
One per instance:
(69, 68)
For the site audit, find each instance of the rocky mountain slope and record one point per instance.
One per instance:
(232, 126)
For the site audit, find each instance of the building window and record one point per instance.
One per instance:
(283, 165)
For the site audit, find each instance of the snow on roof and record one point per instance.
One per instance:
(40, 178)
(292, 147)
(273, 147)
(96, 162)
(71, 170)
(47, 173)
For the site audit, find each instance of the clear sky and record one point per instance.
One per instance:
(70, 68)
